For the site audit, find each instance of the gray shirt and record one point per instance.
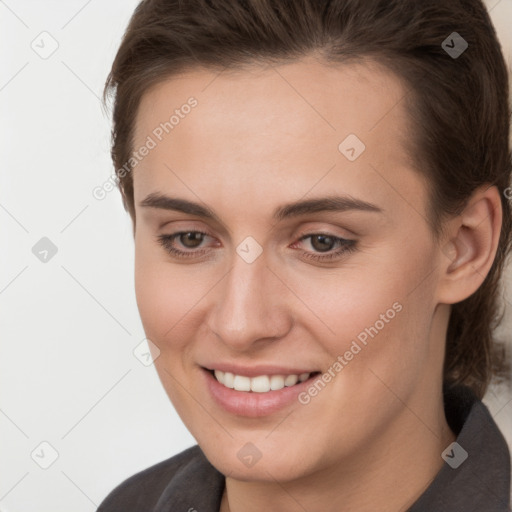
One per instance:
(187, 482)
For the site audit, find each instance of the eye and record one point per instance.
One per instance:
(324, 243)
(189, 239)
(321, 242)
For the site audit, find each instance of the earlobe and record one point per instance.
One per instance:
(473, 238)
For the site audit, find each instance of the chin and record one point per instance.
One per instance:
(244, 461)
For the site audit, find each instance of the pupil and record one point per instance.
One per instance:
(322, 247)
(190, 236)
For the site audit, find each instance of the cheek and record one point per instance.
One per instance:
(155, 301)
(345, 303)
(157, 298)
(376, 316)
(163, 302)
(169, 296)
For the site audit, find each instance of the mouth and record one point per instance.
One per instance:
(255, 391)
(260, 383)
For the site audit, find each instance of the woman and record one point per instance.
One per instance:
(318, 192)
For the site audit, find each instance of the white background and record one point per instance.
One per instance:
(69, 326)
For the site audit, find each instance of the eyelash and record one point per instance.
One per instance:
(347, 246)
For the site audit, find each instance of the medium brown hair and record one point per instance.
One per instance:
(458, 104)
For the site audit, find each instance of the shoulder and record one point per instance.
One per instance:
(143, 490)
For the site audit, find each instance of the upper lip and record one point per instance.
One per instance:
(256, 370)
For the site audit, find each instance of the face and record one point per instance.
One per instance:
(329, 304)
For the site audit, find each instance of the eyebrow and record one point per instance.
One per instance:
(290, 210)
(295, 209)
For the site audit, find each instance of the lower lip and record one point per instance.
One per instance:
(251, 404)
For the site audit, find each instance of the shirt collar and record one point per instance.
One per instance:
(482, 480)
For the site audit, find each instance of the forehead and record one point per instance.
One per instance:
(306, 95)
(281, 127)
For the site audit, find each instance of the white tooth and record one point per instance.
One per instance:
(260, 384)
(291, 380)
(242, 383)
(276, 382)
(228, 380)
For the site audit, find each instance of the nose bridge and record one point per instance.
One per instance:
(247, 308)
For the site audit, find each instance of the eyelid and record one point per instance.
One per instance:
(345, 246)
(303, 232)
(316, 230)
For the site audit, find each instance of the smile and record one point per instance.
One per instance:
(255, 391)
(260, 383)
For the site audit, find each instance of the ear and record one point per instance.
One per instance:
(469, 245)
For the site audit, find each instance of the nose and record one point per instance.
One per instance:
(250, 306)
